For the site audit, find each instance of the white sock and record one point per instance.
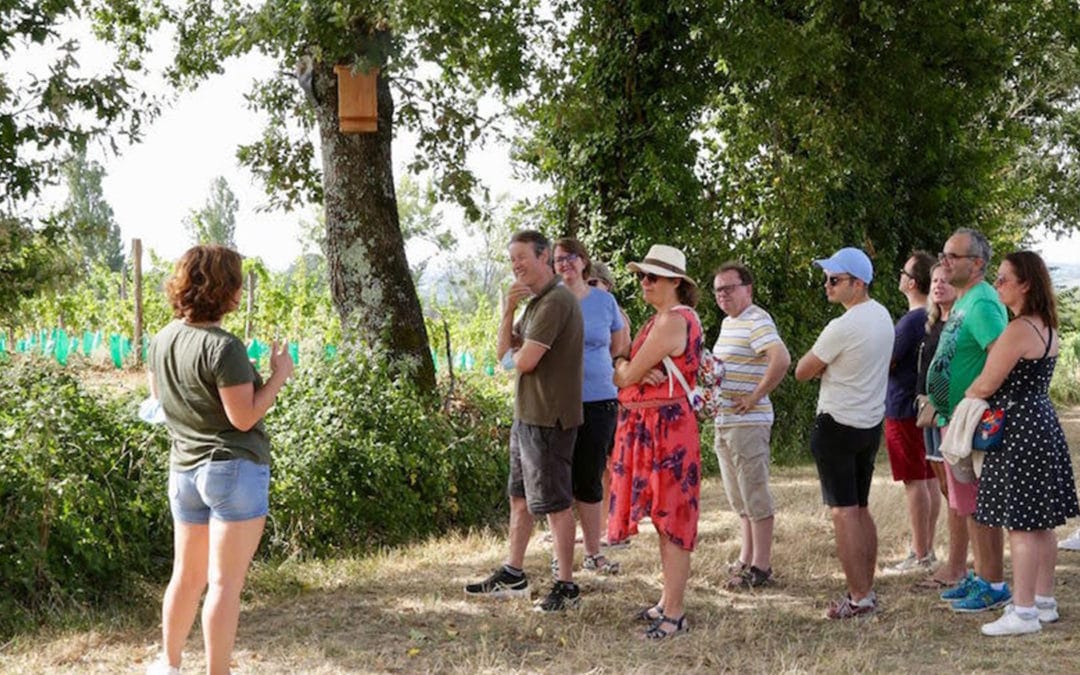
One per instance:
(998, 586)
(1044, 602)
(1026, 613)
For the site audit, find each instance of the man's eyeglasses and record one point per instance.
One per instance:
(565, 259)
(726, 289)
(835, 279)
(907, 274)
(641, 276)
(952, 257)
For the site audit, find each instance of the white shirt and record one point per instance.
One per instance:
(857, 346)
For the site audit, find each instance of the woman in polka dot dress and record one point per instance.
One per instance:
(1027, 485)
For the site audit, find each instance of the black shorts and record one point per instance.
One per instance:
(540, 461)
(845, 460)
(595, 438)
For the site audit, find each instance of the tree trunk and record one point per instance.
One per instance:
(370, 283)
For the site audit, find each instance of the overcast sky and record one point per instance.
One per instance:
(153, 185)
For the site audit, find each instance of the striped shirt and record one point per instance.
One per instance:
(741, 345)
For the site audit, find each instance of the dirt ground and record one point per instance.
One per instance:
(403, 611)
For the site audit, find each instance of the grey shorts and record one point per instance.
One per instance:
(541, 462)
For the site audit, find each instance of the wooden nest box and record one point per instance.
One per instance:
(358, 105)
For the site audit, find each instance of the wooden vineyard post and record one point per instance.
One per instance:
(136, 246)
(248, 327)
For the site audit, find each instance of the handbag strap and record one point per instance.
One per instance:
(677, 374)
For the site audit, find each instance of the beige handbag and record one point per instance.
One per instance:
(927, 414)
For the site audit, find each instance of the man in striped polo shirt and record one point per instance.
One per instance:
(755, 361)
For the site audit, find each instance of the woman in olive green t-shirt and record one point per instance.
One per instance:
(219, 476)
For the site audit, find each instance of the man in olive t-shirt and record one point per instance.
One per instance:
(546, 349)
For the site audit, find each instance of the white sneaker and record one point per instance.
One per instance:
(912, 564)
(1011, 623)
(161, 666)
(1071, 542)
(1048, 613)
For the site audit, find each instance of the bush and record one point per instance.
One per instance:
(1065, 386)
(83, 509)
(362, 459)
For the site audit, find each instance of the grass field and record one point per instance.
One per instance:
(403, 611)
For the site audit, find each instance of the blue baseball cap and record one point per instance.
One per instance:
(851, 261)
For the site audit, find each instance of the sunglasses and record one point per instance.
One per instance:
(835, 279)
(641, 276)
(568, 258)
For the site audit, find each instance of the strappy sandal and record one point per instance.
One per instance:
(650, 614)
(658, 632)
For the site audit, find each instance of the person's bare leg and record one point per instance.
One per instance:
(521, 527)
(918, 508)
(935, 510)
(181, 602)
(562, 530)
(232, 545)
(676, 565)
(761, 546)
(853, 548)
(746, 532)
(955, 567)
(1025, 563)
(989, 546)
(1047, 561)
(869, 548)
(589, 515)
(605, 503)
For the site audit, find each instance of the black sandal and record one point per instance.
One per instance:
(650, 614)
(657, 631)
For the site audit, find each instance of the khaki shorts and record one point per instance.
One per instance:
(743, 452)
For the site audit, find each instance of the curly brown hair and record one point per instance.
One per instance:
(204, 283)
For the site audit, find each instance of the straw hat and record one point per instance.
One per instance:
(663, 261)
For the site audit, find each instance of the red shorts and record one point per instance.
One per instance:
(907, 452)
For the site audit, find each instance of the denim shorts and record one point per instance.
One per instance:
(232, 490)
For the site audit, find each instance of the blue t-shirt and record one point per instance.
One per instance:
(602, 318)
(903, 370)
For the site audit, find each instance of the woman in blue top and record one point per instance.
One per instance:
(605, 335)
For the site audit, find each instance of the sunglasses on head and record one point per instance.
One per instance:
(835, 279)
(647, 275)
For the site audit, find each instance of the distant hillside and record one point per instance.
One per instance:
(1065, 275)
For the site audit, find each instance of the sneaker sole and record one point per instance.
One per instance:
(975, 610)
(502, 594)
(567, 604)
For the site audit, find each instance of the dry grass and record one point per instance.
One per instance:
(403, 611)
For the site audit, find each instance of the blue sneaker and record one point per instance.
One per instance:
(960, 590)
(982, 597)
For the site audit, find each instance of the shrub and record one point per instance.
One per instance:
(1065, 386)
(83, 507)
(362, 459)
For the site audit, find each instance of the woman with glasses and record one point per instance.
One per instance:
(605, 336)
(1027, 484)
(656, 464)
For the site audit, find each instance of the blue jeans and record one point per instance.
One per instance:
(233, 490)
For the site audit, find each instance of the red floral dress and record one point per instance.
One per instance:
(656, 462)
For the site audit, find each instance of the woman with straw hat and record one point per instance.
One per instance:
(656, 464)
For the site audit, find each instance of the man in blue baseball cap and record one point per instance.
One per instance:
(851, 356)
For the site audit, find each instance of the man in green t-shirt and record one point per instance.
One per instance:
(545, 348)
(976, 321)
